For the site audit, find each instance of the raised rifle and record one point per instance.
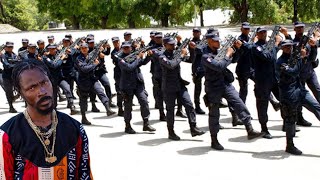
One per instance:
(2, 47)
(94, 54)
(228, 43)
(177, 52)
(252, 36)
(271, 43)
(133, 56)
(296, 51)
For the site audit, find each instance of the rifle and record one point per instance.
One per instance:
(296, 51)
(253, 35)
(172, 35)
(271, 43)
(2, 47)
(228, 43)
(94, 54)
(133, 56)
(177, 52)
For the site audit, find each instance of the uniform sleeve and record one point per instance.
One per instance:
(6, 157)
(84, 67)
(260, 54)
(5, 62)
(129, 66)
(83, 156)
(52, 63)
(170, 64)
(215, 64)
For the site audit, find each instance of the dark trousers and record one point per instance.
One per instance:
(1, 81)
(263, 93)
(157, 93)
(289, 115)
(66, 89)
(197, 80)
(96, 89)
(8, 89)
(243, 84)
(142, 97)
(314, 86)
(310, 103)
(71, 79)
(119, 94)
(170, 99)
(106, 84)
(232, 96)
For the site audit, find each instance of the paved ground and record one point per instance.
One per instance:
(115, 155)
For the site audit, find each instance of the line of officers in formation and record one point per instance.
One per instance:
(270, 74)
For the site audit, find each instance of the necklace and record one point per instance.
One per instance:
(44, 136)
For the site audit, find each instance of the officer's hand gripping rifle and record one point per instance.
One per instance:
(177, 52)
(133, 56)
(223, 51)
(94, 54)
(272, 41)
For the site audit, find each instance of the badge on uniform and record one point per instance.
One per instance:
(209, 59)
(259, 48)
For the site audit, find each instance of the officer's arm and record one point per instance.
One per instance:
(170, 64)
(258, 52)
(6, 63)
(129, 66)
(85, 67)
(215, 64)
(106, 51)
(51, 63)
(313, 53)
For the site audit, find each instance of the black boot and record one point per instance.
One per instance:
(215, 143)
(129, 129)
(12, 109)
(180, 113)
(162, 115)
(172, 135)
(284, 128)
(73, 110)
(147, 127)
(302, 122)
(195, 131)
(84, 120)
(251, 132)
(111, 104)
(291, 148)
(199, 110)
(94, 107)
(109, 111)
(120, 111)
(235, 120)
(265, 132)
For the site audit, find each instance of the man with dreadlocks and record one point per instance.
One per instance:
(41, 143)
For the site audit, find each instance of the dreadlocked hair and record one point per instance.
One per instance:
(27, 65)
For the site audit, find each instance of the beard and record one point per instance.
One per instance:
(48, 109)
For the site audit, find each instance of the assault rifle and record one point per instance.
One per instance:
(271, 43)
(228, 43)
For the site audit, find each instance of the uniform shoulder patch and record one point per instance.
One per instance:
(259, 48)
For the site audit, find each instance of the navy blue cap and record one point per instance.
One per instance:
(261, 28)
(211, 29)
(90, 35)
(213, 36)
(68, 36)
(90, 41)
(169, 41)
(25, 40)
(51, 37)
(65, 39)
(286, 42)
(245, 25)
(158, 35)
(196, 29)
(51, 46)
(9, 44)
(40, 41)
(115, 39)
(31, 45)
(299, 24)
(127, 33)
(152, 33)
(126, 44)
(84, 45)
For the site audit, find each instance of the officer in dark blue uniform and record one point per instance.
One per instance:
(88, 82)
(307, 74)
(132, 84)
(41, 47)
(155, 69)
(173, 87)
(292, 93)
(30, 53)
(9, 59)
(117, 73)
(265, 79)
(152, 41)
(197, 69)
(25, 43)
(218, 81)
(54, 65)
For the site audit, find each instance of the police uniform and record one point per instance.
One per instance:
(9, 60)
(292, 95)
(217, 85)
(132, 84)
(173, 87)
(265, 80)
(88, 82)
(54, 65)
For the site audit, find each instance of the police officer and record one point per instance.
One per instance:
(152, 41)
(218, 84)
(50, 40)
(132, 84)
(157, 74)
(197, 69)
(41, 47)
(117, 73)
(54, 62)
(25, 43)
(292, 92)
(88, 82)
(30, 53)
(9, 59)
(307, 75)
(173, 87)
(265, 79)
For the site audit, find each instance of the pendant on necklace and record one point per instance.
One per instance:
(47, 142)
(51, 159)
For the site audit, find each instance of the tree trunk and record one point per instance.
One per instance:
(3, 19)
(75, 22)
(131, 22)
(201, 15)
(295, 11)
(242, 9)
(104, 21)
(165, 20)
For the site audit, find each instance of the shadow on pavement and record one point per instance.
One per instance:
(96, 125)
(244, 139)
(157, 142)
(195, 151)
(106, 117)
(122, 133)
